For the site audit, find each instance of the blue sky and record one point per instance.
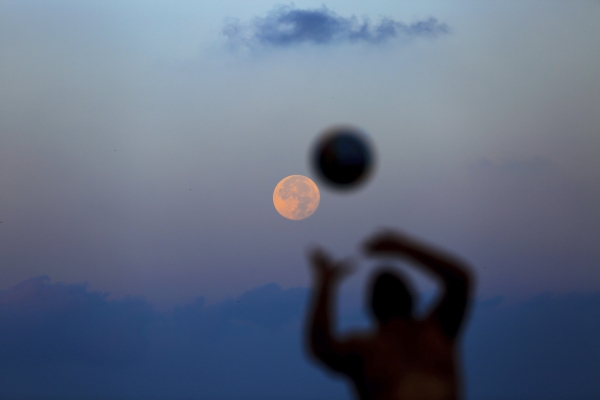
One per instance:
(140, 143)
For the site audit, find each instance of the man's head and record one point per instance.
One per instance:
(390, 297)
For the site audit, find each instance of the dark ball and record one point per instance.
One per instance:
(343, 157)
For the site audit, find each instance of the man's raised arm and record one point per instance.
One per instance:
(453, 273)
(322, 344)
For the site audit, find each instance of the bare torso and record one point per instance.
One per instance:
(405, 359)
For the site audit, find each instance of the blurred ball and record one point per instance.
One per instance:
(343, 157)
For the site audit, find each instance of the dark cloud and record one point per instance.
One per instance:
(546, 347)
(248, 347)
(49, 323)
(287, 26)
(266, 307)
(251, 347)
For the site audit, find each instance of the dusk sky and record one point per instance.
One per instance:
(140, 143)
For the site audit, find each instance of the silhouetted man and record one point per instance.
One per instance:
(405, 357)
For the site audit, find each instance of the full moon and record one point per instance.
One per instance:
(296, 197)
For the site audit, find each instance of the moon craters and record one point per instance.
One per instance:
(296, 197)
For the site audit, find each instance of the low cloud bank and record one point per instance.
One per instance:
(56, 323)
(289, 26)
(543, 348)
(64, 341)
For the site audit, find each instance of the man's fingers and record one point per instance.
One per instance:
(325, 266)
(386, 241)
(319, 259)
(380, 241)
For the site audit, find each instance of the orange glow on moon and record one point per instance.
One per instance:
(296, 197)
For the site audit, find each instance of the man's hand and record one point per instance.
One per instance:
(325, 268)
(387, 242)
